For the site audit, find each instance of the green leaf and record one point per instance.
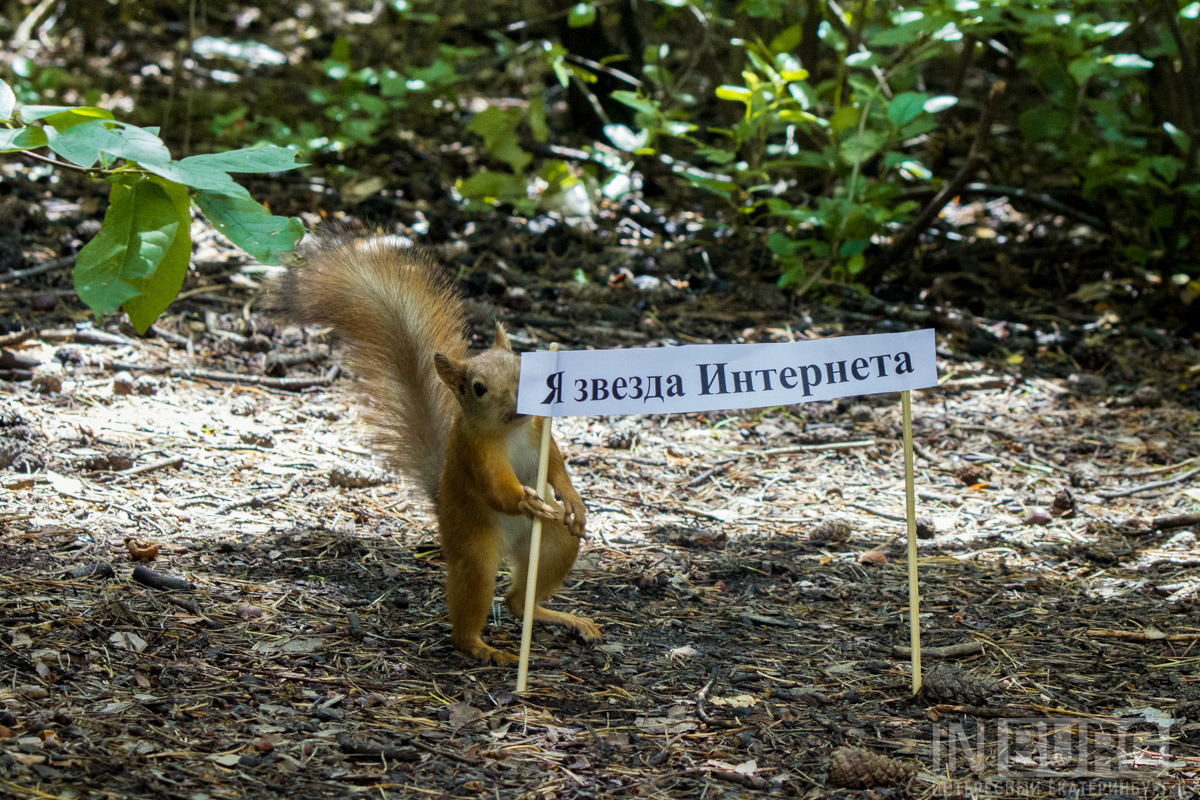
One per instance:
(29, 138)
(781, 244)
(861, 147)
(787, 40)
(138, 230)
(1181, 139)
(1083, 68)
(845, 117)
(810, 158)
(581, 15)
(1162, 217)
(940, 103)
(8, 102)
(200, 176)
(158, 290)
(88, 142)
(63, 117)
(341, 50)
(537, 118)
(1040, 124)
(267, 158)
(738, 94)
(498, 127)
(1128, 61)
(905, 107)
(625, 139)
(497, 185)
(251, 226)
(1111, 28)
(636, 102)
(898, 36)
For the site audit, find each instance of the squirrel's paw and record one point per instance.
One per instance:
(589, 630)
(574, 515)
(534, 506)
(489, 655)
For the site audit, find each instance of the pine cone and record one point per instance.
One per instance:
(1084, 475)
(831, 529)
(859, 768)
(948, 684)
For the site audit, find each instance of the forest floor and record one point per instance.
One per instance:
(748, 570)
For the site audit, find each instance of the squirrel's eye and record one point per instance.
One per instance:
(480, 389)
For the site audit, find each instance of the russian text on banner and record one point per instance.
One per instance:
(664, 380)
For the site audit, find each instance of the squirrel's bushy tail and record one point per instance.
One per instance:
(396, 308)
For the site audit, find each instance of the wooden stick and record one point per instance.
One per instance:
(910, 496)
(535, 550)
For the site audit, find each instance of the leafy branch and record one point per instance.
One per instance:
(139, 258)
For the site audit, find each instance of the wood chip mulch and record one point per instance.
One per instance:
(209, 589)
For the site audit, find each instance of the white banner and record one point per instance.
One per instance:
(666, 380)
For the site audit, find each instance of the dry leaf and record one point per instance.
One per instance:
(463, 714)
(128, 641)
(876, 556)
(141, 550)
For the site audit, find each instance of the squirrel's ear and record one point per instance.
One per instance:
(501, 341)
(453, 373)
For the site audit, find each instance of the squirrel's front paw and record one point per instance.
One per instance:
(574, 515)
(534, 506)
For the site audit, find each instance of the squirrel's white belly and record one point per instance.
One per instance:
(523, 455)
(523, 458)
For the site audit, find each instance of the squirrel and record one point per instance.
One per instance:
(448, 421)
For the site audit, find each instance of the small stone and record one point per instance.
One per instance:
(257, 343)
(48, 377)
(243, 406)
(122, 383)
(43, 301)
(258, 437)
(1037, 516)
(859, 412)
(356, 477)
(1146, 397)
(146, 385)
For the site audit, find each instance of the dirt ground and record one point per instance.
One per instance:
(747, 569)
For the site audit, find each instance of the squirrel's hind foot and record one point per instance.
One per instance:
(486, 653)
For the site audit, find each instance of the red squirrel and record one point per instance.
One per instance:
(448, 421)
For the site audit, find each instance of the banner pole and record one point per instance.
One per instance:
(535, 550)
(910, 496)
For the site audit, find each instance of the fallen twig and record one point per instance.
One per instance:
(97, 569)
(1139, 636)
(949, 651)
(878, 513)
(174, 462)
(16, 337)
(1145, 487)
(813, 448)
(727, 775)
(52, 264)
(258, 500)
(156, 580)
(359, 749)
(1173, 522)
(720, 466)
(288, 384)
